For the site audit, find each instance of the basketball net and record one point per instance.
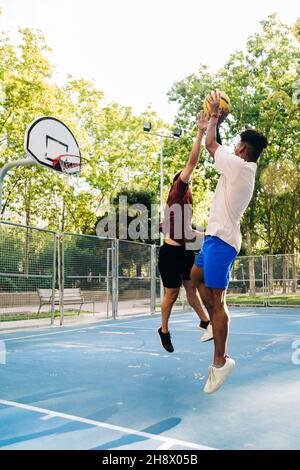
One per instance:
(69, 165)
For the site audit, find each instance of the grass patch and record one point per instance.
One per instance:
(258, 300)
(33, 316)
(275, 300)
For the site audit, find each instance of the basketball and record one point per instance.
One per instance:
(225, 103)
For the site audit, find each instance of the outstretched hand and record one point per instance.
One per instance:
(213, 99)
(222, 115)
(202, 121)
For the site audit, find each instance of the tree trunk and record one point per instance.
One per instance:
(138, 270)
(284, 274)
(63, 216)
(294, 274)
(294, 267)
(271, 272)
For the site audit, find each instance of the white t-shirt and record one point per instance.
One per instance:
(233, 194)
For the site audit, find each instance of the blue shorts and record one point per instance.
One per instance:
(216, 258)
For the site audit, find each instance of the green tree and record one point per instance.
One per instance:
(260, 82)
(116, 151)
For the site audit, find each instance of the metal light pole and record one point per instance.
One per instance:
(176, 134)
(161, 172)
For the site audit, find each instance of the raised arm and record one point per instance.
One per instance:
(195, 152)
(211, 135)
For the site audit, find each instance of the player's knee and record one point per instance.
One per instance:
(210, 304)
(217, 306)
(171, 297)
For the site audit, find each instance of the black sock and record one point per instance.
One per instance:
(204, 324)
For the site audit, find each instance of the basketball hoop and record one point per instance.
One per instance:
(68, 164)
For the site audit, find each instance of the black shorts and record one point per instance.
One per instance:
(175, 264)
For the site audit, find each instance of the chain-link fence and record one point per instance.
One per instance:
(247, 281)
(283, 279)
(87, 274)
(27, 272)
(135, 272)
(114, 278)
(269, 280)
(41, 273)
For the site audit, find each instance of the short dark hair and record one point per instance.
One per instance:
(255, 142)
(176, 176)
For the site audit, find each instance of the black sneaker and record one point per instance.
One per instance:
(166, 341)
(203, 325)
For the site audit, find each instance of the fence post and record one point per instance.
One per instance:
(108, 270)
(117, 279)
(61, 277)
(153, 280)
(114, 279)
(265, 269)
(53, 278)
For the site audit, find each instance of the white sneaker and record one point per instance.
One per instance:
(218, 375)
(208, 334)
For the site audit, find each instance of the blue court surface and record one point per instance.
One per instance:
(110, 385)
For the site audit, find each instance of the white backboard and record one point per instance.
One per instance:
(48, 137)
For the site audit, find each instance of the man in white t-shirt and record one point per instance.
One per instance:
(222, 243)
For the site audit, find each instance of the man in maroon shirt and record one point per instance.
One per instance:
(175, 261)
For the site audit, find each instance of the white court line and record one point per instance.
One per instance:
(114, 333)
(82, 328)
(88, 326)
(165, 446)
(53, 333)
(122, 350)
(280, 335)
(179, 321)
(116, 325)
(109, 349)
(112, 427)
(26, 338)
(47, 417)
(197, 331)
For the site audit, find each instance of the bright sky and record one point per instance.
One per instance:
(136, 49)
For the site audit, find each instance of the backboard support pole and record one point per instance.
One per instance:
(28, 160)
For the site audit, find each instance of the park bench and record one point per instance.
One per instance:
(71, 297)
